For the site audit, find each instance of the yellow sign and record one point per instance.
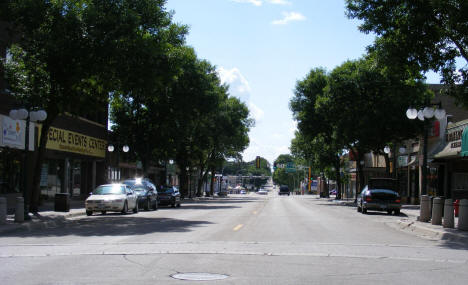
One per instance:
(63, 140)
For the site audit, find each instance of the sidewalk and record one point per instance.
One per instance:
(45, 218)
(408, 221)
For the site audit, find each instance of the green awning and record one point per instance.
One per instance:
(464, 143)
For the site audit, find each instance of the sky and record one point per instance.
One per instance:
(261, 48)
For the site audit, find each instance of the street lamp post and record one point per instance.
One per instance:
(426, 113)
(111, 148)
(29, 116)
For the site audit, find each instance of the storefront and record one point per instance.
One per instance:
(74, 163)
(12, 145)
(454, 161)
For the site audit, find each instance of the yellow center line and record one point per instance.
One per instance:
(238, 227)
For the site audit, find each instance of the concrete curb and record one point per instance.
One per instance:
(429, 231)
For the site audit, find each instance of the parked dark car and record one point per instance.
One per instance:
(146, 182)
(378, 200)
(284, 190)
(147, 198)
(169, 195)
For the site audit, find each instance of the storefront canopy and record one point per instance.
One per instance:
(464, 143)
(448, 152)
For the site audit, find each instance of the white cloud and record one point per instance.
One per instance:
(260, 2)
(240, 88)
(279, 2)
(256, 112)
(238, 85)
(293, 128)
(269, 152)
(288, 17)
(253, 2)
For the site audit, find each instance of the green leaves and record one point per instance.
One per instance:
(422, 35)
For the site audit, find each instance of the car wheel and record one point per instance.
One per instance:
(125, 208)
(89, 213)
(155, 206)
(103, 212)
(178, 205)
(389, 212)
(397, 212)
(359, 209)
(147, 205)
(364, 210)
(135, 210)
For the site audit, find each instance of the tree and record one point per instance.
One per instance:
(69, 55)
(282, 177)
(359, 106)
(317, 140)
(368, 104)
(427, 34)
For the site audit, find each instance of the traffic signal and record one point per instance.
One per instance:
(274, 165)
(257, 162)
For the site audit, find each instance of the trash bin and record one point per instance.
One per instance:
(62, 202)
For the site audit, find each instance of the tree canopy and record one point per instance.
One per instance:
(426, 34)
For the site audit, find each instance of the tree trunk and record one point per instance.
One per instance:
(338, 178)
(36, 187)
(387, 164)
(183, 182)
(211, 182)
(200, 182)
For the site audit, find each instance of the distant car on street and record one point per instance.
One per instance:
(378, 200)
(262, 191)
(333, 192)
(243, 192)
(111, 197)
(169, 195)
(284, 190)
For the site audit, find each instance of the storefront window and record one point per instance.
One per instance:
(10, 171)
(460, 181)
(76, 178)
(51, 178)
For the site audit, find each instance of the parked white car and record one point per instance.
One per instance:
(262, 191)
(113, 198)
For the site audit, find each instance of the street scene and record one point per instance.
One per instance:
(245, 238)
(233, 142)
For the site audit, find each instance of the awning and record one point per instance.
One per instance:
(464, 143)
(413, 161)
(448, 152)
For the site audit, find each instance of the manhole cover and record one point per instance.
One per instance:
(199, 276)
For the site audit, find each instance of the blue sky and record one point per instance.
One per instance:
(262, 47)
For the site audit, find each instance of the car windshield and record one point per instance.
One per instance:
(132, 182)
(139, 190)
(382, 191)
(109, 190)
(167, 190)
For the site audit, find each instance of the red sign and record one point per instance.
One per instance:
(434, 130)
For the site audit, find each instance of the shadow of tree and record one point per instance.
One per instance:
(111, 225)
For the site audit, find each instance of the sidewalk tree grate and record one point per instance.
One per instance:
(199, 276)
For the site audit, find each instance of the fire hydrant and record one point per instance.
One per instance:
(456, 206)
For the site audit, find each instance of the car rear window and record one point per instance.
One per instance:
(109, 190)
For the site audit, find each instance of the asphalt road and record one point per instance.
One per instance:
(251, 239)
